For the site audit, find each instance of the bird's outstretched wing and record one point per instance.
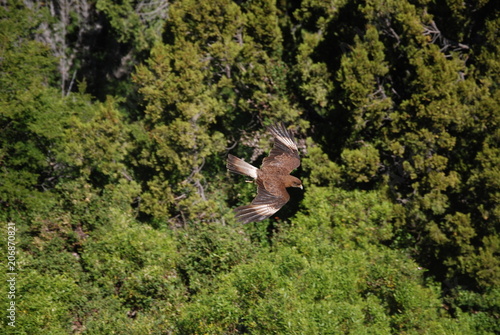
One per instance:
(263, 206)
(284, 155)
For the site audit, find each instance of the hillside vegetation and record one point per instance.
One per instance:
(116, 118)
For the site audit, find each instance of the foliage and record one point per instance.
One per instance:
(115, 121)
(326, 275)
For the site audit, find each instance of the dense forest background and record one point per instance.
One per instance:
(116, 118)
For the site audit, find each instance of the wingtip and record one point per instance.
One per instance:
(254, 212)
(283, 138)
(278, 126)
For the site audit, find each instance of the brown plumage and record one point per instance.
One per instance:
(272, 178)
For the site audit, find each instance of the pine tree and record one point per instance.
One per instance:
(214, 72)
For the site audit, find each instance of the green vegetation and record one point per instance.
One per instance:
(115, 121)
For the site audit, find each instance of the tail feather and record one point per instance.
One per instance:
(237, 165)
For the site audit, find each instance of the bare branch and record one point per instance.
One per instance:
(437, 38)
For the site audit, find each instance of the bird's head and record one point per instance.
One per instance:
(292, 181)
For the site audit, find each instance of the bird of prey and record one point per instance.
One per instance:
(272, 178)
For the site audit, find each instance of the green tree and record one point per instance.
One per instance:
(326, 274)
(214, 71)
(412, 107)
(123, 211)
(30, 114)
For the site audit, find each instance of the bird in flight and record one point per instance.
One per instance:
(272, 178)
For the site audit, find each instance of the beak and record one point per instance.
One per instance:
(301, 187)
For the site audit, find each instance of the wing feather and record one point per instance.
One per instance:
(284, 154)
(263, 206)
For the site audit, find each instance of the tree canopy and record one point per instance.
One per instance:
(116, 119)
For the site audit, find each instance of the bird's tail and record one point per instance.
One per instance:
(237, 165)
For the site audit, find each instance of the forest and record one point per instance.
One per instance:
(116, 206)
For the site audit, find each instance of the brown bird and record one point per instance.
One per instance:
(272, 178)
